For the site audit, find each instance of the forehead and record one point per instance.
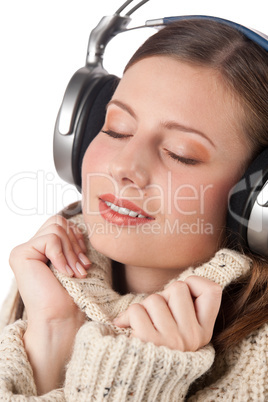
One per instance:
(162, 78)
(173, 86)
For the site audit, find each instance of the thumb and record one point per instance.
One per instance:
(122, 320)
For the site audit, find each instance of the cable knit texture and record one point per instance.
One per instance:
(108, 365)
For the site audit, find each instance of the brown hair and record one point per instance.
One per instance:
(243, 65)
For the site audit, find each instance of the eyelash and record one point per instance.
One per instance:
(177, 158)
(113, 134)
(181, 159)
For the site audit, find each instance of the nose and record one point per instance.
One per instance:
(132, 165)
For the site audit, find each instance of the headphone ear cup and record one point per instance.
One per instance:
(91, 121)
(242, 199)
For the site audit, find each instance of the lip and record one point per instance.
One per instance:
(122, 220)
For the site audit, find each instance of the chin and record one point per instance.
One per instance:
(106, 246)
(120, 251)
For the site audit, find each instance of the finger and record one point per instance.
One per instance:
(55, 219)
(68, 247)
(122, 320)
(75, 241)
(60, 220)
(136, 317)
(80, 238)
(40, 250)
(71, 249)
(181, 304)
(160, 314)
(73, 232)
(207, 296)
(191, 335)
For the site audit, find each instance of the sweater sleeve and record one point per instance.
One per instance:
(16, 375)
(118, 368)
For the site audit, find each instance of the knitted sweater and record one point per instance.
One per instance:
(108, 365)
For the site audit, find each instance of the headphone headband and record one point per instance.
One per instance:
(110, 26)
(257, 37)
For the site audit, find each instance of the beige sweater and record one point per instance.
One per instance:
(107, 365)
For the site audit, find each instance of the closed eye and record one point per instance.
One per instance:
(114, 134)
(178, 158)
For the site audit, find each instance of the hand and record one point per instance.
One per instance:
(181, 317)
(53, 317)
(59, 241)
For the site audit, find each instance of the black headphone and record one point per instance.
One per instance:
(83, 112)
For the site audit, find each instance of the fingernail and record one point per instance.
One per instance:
(80, 269)
(69, 271)
(83, 258)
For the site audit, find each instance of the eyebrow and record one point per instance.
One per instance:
(122, 106)
(170, 125)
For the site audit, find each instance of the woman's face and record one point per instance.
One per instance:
(169, 152)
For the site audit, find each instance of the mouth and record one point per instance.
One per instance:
(121, 211)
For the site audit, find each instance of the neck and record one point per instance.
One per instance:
(142, 279)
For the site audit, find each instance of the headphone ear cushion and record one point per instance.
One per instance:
(91, 121)
(242, 198)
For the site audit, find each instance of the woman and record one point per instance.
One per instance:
(187, 118)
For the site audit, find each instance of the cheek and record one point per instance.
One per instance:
(187, 195)
(92, 168)
(94, 158)
(96, 179)
(206, 200)
(216, 202)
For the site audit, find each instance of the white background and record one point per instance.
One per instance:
(42, 44)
